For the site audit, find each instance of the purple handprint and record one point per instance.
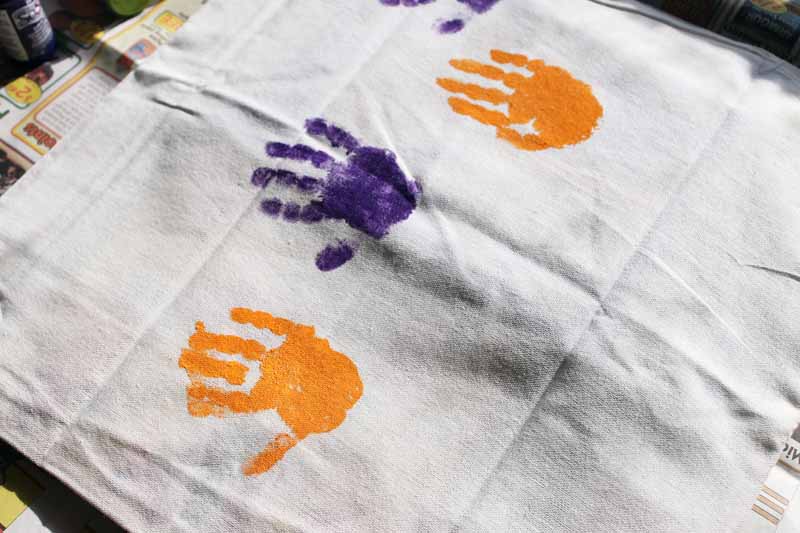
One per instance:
(451, 25)
(369, 191)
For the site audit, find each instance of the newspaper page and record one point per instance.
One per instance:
(39, 107)
(776, 506)
(37, 110)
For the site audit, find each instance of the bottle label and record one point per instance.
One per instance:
(9, 39)
(33, 27)
(27, 15)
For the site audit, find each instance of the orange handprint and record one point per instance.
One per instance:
(562, 109)
(309, 384)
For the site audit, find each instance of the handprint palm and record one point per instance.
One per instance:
(562, 109)
(309, 384)
(369, 191)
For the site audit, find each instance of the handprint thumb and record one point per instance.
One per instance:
(270, 455)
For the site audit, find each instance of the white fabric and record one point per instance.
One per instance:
(596, 338)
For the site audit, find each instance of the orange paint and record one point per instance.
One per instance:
(273, 453)
(309, 384)
(562, 109)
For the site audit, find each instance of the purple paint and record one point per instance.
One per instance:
(264, 175)
(298, 152)
(312, 212)
(408, 3)
(286, 178)
(451, 26)
(261, 177)
(368, 191)
(334, 255)
(336, 136)
(307, 183)
(291, 212)
(271, 206)
(479, 6)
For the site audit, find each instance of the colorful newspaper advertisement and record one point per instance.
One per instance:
(38, 108)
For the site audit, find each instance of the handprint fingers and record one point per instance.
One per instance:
(518, 60)
(454, 25)
(476, 67)
(202, 341)
(407, 3)
(291, 211)
(198, 363)
(450, 25)
(299, 152)
(480, 6)
(205, 401)
(201, 364)
(512, 80)
(476, 92)
(310, 213)
(264, 320)
(263, 176)
(336, 136)
(479, 113)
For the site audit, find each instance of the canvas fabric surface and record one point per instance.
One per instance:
(599, 336)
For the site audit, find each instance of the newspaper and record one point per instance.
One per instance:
(39, 107)
(37, 110)
(770, 24)
(776, 506)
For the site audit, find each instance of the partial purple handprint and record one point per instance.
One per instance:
(451, 25)
(369, 191)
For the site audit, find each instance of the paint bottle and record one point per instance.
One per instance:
(25, 32)
(127, 8)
